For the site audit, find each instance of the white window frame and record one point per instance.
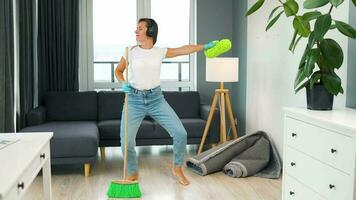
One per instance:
(86, 42)
(86, 48)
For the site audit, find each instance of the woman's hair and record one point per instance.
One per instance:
(152, 28)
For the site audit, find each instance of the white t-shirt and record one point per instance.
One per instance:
(145, 66)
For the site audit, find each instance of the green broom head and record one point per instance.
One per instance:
(221, 47)
(121, 189)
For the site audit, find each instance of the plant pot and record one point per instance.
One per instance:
(318, 98)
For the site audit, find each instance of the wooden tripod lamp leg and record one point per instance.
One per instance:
(222, 116)
(207, 125)
(221, 127)
(231, 116)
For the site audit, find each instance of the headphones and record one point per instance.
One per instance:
(151, 27)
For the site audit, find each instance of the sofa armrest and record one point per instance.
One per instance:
(36, 116)
(214, 129)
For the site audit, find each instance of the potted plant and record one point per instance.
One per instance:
(321, 82)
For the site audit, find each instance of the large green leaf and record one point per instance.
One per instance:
(301, 86)
(322, 26)
(300, 77)
(308, 16)
(311, 40)
(296, 43)
(314, 78)
(336, 3)
(273, 11)
(345, 29)
(332, 26)
(255, 7)
(354, 1)
(293, 40)
(290, 8)
(273, 21)
(332, 53)
(332, 82)
(310, 64)
(322, 66)
(308, 4)
(305, 56)
(302, 26)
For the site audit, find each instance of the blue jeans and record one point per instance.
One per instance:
(152, 103)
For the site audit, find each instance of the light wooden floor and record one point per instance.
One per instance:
(156, 181)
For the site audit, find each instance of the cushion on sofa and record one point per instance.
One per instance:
(70, 138)
(71, 106)
(110, 104)
(185, 104)
(110, 129)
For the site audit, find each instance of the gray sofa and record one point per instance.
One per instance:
(84, 121)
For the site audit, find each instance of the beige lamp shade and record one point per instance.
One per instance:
(225, 69)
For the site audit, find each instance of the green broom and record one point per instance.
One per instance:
(124, 188)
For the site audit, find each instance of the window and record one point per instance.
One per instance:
(114, 23)
(173, 32)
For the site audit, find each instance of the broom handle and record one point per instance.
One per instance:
(126, 113)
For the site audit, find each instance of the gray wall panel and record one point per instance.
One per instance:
(351, 63)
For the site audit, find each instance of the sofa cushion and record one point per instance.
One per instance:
(110, 129)
(110, 105)
(194, 128)
(71, 106)
(185, 104)
(71, 138)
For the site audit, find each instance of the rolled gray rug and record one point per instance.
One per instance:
(251, 161)
(253, 154)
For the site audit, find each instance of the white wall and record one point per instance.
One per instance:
(271, 70)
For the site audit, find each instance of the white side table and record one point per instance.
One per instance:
(22, 161)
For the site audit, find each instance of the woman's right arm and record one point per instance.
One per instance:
(119, 71)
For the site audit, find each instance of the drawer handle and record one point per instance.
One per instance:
(331, 186)
(291, 193)
(333, 150)
(43, 156)
(294, 134)
(292, 164)
(21, 185)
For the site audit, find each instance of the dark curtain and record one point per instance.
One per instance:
(6, 67)
(58, 46)
(26, 53)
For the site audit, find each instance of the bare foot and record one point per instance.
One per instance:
(178, 173)
(132, 177)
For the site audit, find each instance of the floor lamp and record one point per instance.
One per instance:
(221, 70)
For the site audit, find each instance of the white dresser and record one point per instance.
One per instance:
(21, 161)
(319, 154)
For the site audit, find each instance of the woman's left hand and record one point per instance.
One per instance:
(210, 44)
